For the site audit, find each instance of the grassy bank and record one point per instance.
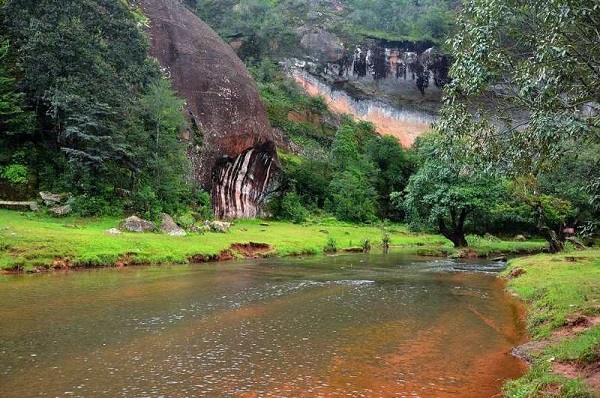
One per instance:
(563, 295)
(30, 241)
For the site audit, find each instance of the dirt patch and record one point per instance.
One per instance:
(515, 273)
(251, 250)
(247, 250)
(551, 390)
(576, 323)
(590, 374)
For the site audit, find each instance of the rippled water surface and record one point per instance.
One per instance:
(356, 325)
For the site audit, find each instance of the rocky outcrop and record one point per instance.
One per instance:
(242, 182)
(169, 227)
(60, 211)
(217, 226)
(321, 45)
(226, 115)
(136, 224)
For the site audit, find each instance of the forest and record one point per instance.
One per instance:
(355, 265)
(85, 110)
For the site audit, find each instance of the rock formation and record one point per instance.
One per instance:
(228, 120)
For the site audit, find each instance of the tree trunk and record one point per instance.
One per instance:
(457, 234)
(555, 245)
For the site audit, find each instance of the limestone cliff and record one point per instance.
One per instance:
(229, 121)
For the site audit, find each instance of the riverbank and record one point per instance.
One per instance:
(30, 242)
(562, 292)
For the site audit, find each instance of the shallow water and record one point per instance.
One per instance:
(355, 325)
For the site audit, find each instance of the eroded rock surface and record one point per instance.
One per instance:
(223, 105)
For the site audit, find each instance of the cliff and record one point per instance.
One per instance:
(227, 118)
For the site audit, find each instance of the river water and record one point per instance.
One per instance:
(348, 325)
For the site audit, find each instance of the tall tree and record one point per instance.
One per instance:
(446, 194)
(526, 89)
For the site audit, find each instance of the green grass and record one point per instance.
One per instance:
(555, 288)
(29, 241)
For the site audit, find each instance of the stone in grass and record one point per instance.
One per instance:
(60, 211)
(51, 199)
(218, 226)
(136, 224)
(113, 231)
(169, 227)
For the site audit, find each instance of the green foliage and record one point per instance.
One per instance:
(330, 246)
(524, 97)
(107, 122)
(267, 28)
(351, 197)
(445, 192)
(557, 289)
(289, 207)
(203, 205)
(15, 173)
(366, 245)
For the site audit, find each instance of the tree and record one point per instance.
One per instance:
(445, 192)
(393, 168)
(526, 89)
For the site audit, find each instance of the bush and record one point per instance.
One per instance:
(330, 246)
(15, 173)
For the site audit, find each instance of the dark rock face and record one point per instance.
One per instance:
(222, 102)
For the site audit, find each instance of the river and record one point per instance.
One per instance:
(348, 325)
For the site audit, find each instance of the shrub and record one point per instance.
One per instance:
(330, 246)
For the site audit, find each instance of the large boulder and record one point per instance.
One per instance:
(51, 199)
(136, 224)
(169, 227)
(60, 211)
(226, 116)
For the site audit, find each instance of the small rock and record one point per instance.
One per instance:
(520, 238)
(51, 199)
(169, 227)
(500, 259)
(113, 231)
(218, 226)
(324, 231)
(34, 207)
(60, 210)
(136, 224)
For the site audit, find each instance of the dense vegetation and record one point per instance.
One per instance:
(85, 110)
(524, 101)
(271, 27)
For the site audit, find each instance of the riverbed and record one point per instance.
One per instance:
(348, 325)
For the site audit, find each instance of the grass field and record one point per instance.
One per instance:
(559, 289)
(29, 241)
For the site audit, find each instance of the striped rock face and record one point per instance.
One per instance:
(232, 149)
(241, 183)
